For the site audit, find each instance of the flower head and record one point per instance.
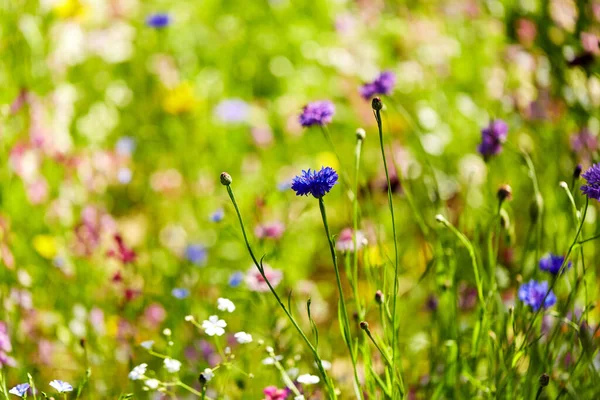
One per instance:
(217, 215)
(592, 185)
(243, 337)
(172, 365)
(256, 282)
(180, 293)
(61, 386)
(345, 240)
(138, 372)
(383, 85)
(274, 393)
(196, 254)
(207, 375)
(308, 379)
(152, 383)
(158, 20)
(224, 304)
(317, 183)
(214, 326)
(532, 293)
(20, 390)
(232, 111)
(552, 263)
(492, 138)
(270, 230)
(317, 113)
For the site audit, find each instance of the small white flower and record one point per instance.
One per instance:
(224, 304)
(189, 318)
(152, 383)
(271, 360)
(137, 372)
(167, 332)
(308, 379)
(207, 374)
(147, 344)
(214, 326)
(172, 365)
(243, 337)
(326, 365)
(61, 386)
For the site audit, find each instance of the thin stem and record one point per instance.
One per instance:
(328, 382)
(347, 334)
(396, 258)
(357, 152)
(194, 391)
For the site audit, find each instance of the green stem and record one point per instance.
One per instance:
(347, 334)
(326, 379)
(396, 259)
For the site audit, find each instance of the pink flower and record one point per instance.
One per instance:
(345, 241)
(270, 230)
(273, 393)
(123, 253)
(257, 283)
(155, 314)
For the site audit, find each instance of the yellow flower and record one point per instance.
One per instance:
(70, 9)
(45, 245)
(180, 99)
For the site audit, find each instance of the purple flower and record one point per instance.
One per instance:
(317, 183)
(20, 390)
(382, 85)
(532, 294)
(196, 254)
(317, 113)
(61, 386)
(232, 111)
(552, 263)
(180, 293)
(492, 138)
(592, 186)
(158, 20)
(217, 215)
(584, 142)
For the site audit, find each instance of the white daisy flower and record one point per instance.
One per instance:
(214, 326)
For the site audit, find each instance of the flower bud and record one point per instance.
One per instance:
(361, 134)
(577, 171)
(379, 297)
(544, 379)
(225, 179)
(504, 193)
(376, 104)
(364, 325)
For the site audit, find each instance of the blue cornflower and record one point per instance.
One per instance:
(383, 84)
(158, 20)
(61, 386)
(180, 293)
(492, 138)
(217, 215)
(552, 263)
(317, 183)
(592, 185)
(20, 390)
(532, 293)
(317, 113)
(196, 253)
(236, 279)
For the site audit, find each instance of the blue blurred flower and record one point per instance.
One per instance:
(232, 111)
(124, 175)
(317, 113)
(317, 183)
(492, 138)
(285, 185)
(236, 279)
(158, 20)
(61, 386)
(532, 293)
(592, 185)
(552, 263)
(217, 215)
(383, 84)
(180, 293)
(125, 145)
(20, 390)
(196, 253)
